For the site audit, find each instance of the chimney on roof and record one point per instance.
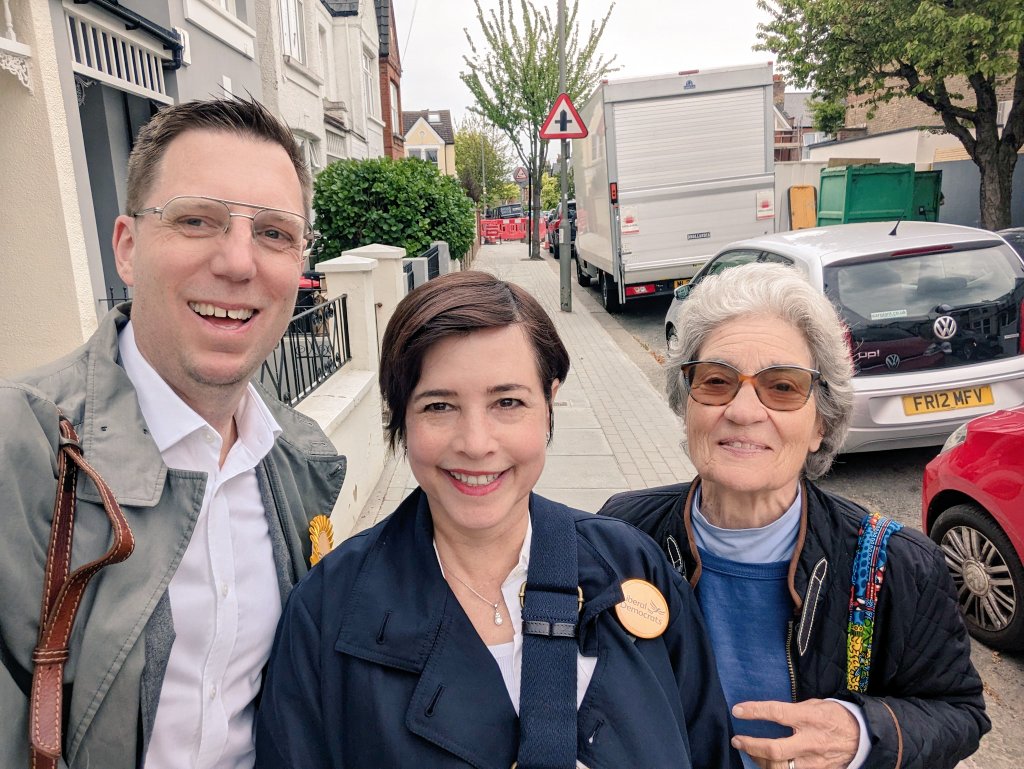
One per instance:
(778, 91)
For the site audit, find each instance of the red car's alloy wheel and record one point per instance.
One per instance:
(988, 576)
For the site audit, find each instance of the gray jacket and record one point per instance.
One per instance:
(123, 634)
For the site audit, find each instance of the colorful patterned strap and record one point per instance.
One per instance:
(868, 573)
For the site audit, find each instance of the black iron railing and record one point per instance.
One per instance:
(315, 346)
(433, 257)
(410, 279)
(113, 298)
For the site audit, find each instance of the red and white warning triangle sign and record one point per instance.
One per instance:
(563, 122)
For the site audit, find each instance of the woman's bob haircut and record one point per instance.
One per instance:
(458, 304)
(779, 292)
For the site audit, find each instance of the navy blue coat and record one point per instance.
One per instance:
(376, 664)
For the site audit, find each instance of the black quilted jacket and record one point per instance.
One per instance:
(924, 704)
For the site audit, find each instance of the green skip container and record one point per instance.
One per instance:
(866, 193)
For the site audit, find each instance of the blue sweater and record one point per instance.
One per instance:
(747, 629)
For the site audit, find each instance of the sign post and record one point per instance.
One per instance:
(563, 122)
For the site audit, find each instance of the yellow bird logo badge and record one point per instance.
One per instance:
(321, 534)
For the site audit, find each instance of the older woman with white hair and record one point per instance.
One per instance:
(836, 631)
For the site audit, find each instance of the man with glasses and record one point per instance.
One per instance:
(217, 480)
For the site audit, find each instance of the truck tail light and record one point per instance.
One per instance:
(640, 289)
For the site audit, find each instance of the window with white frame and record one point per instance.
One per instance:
(396, 121)
(293, 41)
(423, 153)
(310, 149)
(324, 71)
(369, 92)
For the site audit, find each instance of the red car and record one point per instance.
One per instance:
(973, 507)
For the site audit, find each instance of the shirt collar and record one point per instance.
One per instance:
(522, 565)
(169, 419)
(767, 544)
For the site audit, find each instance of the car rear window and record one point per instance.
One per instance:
(891, 306)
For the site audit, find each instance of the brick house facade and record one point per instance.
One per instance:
(908, 112)
(390, 72)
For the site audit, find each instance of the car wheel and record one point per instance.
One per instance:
(987, 573)
(671, 339)
(609, 294)
(583, 278)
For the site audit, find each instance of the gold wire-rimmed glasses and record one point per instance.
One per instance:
(780, 388)
(273, 229)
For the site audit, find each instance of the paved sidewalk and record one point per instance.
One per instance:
(613, 431)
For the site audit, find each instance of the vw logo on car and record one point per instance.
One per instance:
(944, 327)
(892, 361)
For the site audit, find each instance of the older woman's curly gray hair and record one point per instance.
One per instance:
(779, 291)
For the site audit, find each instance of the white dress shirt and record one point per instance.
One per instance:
(509, 656)
(224, 595)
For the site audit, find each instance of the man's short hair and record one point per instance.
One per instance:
(247, 118)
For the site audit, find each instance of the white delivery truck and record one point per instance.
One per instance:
(673, 168)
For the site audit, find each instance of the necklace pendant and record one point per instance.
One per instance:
(498, 620)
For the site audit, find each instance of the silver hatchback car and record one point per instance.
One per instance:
(934, 314)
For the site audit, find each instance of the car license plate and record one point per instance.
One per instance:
(680, 282)
(947, 400)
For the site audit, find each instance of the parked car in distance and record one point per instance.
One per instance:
(549, 217)
(506, 211)
(556, 232)
(973, 507)
(934, 313)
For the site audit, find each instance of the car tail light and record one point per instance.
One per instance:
(922, 250)
(641, 289)
(1020, 329)
(848, 336)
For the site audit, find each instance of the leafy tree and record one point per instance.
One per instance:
(407, 203)
(829, 116)
(508, 192)
(930, 50)
(550, 191)
(481, 148)
(513, 76)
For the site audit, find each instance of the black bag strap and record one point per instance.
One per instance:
(552, 600)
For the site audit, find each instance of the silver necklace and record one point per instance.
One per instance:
(498, 620)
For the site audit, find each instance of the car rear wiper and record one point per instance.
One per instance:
(947, 308)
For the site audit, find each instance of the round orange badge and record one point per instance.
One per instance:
(644, 610)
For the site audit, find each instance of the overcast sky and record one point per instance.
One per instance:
(648, 37)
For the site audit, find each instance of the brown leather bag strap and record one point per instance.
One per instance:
(62, 593)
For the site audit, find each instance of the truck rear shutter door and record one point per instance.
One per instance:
(691, 138)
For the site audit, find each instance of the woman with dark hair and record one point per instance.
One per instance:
(837, 632)
(480, 624)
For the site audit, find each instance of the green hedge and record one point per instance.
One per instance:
(405, 202)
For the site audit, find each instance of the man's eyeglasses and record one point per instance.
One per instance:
(780, 388)
(197, 216)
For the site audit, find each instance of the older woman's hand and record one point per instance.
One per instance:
(825, 735)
